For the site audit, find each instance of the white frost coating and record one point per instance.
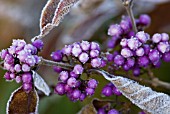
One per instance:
(144, 97)
(63, 8)
(40, 84)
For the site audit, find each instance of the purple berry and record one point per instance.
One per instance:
(101, 111)
(126, 67)
(83, 57)
(94, 46)
(103, 64)
(7, 66)
(85, 45)
(76, 94)
(111, 43)
(26, 68)
(144, 19)
(22, 55)
(119, 60)
(126, 52)
(57, 69)
(38, 44)
(63, 76)
(113, 111)
(78, 69)
(115, 30)
(30, 60)
(76, 50)
(27, 77)
(136, 71)
(82, 97)
(68, 88)
(9, 59)
(143, 61)
(57, 56)
(130, 62)
(92, 83)
(30, 49)
(67, 50)
(156, 38)
(72, 82)
(7, 76)
(94, 53)
(12, 50)
(12, 75)
(140, 52)
(142, 36)
(165, 37)
(96, 62)
(116, 91)
(107, 91)
(163, 47)
(166, 57)
(133, 43)
(124, 42)
(27, 87)
(73, 74)
(17, 68)
(90, 91)
(18, 79)
(146, 48)
(131, 33)
(60, 89)
(110, 57)
(3, 53)
(125, 26)
(154, 55)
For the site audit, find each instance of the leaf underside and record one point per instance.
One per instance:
(21, 102)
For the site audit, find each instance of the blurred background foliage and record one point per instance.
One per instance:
(20, 19)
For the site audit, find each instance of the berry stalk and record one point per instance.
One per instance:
(128, 4)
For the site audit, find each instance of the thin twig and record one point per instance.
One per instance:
(128, 4)
(53, 63)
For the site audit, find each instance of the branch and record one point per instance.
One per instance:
(128, 4)
(52, 63)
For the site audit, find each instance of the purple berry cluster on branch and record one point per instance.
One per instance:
(124, 29)
(19, 59)
(139, 50)
(83, 56)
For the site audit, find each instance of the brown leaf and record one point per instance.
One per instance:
(21, 102)
(52, 14)
(62, 9)
(48, 12)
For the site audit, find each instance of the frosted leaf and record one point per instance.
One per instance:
(21, 102)
(52, 14)
(144, 97)
(40, 84)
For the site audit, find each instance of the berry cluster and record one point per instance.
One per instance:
(73, 86)
(82, 55)
(124, 29)
(138, 50)
(85, 52)
(19, 59)
(110, 89)
(141, 51)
